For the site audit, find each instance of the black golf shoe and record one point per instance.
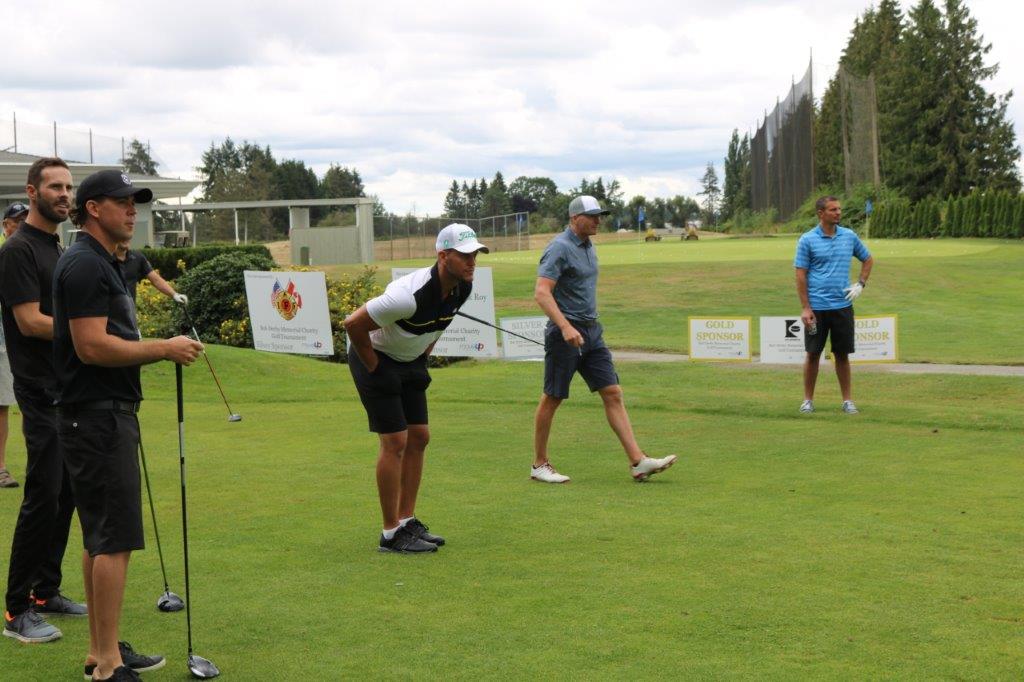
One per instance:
(406, 542)
(121, 674)
(136, 662)
(59, 605)
(420, 530)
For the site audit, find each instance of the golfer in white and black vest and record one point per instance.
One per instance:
(390, 339)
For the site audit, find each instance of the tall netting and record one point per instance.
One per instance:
(49, 139)
(400, 237)
(860, 129)
(782, 153)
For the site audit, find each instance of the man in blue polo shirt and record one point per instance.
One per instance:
(566, 290)
(822, 282)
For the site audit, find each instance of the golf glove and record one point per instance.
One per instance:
(180, 298)
(853, 291)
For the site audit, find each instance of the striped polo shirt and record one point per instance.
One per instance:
(412, 315)
(827, 261)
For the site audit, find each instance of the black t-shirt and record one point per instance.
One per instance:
(88, 283)
(27, 262)
(135, 267)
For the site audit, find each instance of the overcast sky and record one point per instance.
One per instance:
(414, 94)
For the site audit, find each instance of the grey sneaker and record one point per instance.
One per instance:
(406, 542)
(807, 407)
(140, 663)
(59, 605)
(849, 407)
(6, 480)
(29, 627)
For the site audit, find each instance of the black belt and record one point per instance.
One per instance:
(99, 405)
(582, 323)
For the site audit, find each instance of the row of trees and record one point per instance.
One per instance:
(978, 214)
(941, 133)
(541, 197)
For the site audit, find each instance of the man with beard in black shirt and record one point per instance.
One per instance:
(27, 262)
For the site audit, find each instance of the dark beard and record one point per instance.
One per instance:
(49, 212)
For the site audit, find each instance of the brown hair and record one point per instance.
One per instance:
(819, 205)
(35, 171)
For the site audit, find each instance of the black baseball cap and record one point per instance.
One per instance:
(15, 210)
(110, 183)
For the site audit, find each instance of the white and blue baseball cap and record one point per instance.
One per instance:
(586, 205)
(460, 237)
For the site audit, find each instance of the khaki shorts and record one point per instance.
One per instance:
(6, 380)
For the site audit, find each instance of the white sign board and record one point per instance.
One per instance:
(515, 348)
(464, 337)
(782, 340)
(720, 338)
(288, 312)
(875, 339)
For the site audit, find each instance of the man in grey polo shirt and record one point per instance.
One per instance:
(566, 291)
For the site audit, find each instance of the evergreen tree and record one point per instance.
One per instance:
(495, 200)
(733, 169)
(137, 159)
(341, 182)
(711, 193)
(453, 203)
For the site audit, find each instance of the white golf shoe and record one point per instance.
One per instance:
(849, 407)
(807, 407)
(649, 466)
(546, 473)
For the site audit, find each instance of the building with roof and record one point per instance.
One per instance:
(14, 172)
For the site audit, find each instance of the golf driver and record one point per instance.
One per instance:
(232, 416)
(168, 601)
(477, 319)
(199, 666)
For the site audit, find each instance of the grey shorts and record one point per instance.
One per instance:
(6, 380)
(561, 361)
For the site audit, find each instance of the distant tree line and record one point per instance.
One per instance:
(942, 134)
(549, 206)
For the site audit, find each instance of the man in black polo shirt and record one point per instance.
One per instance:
(135, 266)
(97, 354)
(27, 261)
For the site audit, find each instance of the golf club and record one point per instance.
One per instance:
(168, 601)
(232, 416)
(200, 667)
(477, 319)
(525, 338)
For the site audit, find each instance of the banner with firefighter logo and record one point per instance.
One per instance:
(288, 312)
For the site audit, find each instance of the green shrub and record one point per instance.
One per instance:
(752, 222)
(216, 290)
(173, 262)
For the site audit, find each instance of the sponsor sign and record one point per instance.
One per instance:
(782, 340)
(875, 339)
(514, 348)
(288, 312)
(720, 338)
(464, 337)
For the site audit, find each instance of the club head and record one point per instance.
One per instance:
(202, 668)
(170, 602)
(234, 417)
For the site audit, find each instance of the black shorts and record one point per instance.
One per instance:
(101, 452)
(837, 324)
(561, 361)
(395, 394)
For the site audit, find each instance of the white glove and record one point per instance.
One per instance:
(180, 298)
(853, 291)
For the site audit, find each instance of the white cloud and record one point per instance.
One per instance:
(414, 94)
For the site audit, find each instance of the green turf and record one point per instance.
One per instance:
(886, 545)
(958, 301)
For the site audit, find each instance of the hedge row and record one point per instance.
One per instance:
(988, 214)
(173, 262)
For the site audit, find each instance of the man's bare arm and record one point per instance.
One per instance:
(94, 346)
(544, 294)
(358, 326)
(32, 322)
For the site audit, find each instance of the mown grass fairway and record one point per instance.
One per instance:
(888, 545)
(958, 301)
